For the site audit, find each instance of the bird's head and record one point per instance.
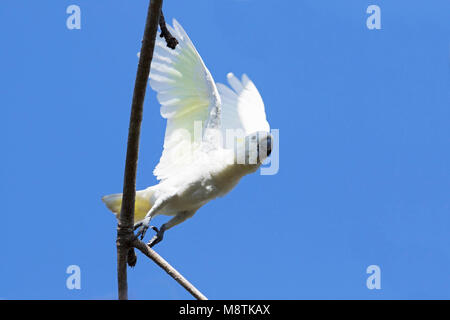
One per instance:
(258, 147)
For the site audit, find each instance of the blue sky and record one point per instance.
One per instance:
(364, 175)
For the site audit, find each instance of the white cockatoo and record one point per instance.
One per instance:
(196, 165)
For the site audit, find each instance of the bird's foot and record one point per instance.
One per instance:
(158, 237)
(143, 227)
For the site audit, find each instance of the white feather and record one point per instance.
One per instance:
(187, 93)
(242, 106)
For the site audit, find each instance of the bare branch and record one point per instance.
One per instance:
(126, 240)
(145, 249)
(165, 33)
(125, 234)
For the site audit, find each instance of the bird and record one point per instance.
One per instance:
(215, 135)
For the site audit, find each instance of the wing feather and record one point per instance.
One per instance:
(187, 94)
(242, 106)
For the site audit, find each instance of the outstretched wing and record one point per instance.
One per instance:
(242, 106)
(188, 97)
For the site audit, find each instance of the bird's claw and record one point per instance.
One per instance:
(142, 231)
(143, 227)
(137, 225)
(158, 237)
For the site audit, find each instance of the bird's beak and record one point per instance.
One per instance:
(269, 145)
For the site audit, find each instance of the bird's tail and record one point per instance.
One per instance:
(142, 204)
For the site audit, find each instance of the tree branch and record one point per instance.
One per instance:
(170, 40)
(126, 241)
(125, 235)
(145, 249)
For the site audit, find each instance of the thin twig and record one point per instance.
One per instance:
(165, 33)
(125, 234)
(145, 249)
